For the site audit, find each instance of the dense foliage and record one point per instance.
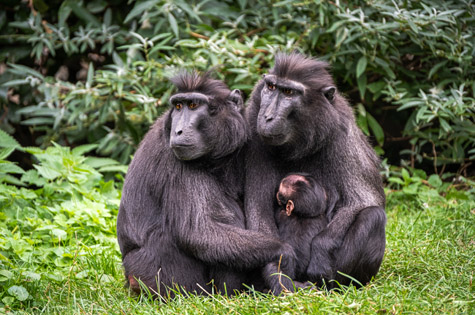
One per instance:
(96, 72)
(57, 213)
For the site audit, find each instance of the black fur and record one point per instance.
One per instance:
(180, 222)
(309, 202)
(308, 132)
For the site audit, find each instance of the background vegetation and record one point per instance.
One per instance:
(82, 79)
(79, 72)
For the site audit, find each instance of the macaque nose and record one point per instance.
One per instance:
(271, 109)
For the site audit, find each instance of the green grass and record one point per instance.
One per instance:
(59, 254)
(428, 268)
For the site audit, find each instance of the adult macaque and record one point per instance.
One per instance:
(300, 123)
(180, 220)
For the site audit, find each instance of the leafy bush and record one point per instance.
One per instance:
(415, 186)
(100, 69)
(58, 213)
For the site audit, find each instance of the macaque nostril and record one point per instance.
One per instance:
(179, 132)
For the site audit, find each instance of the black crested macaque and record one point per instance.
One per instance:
(300, 123)
(300, 215)
(180, 223)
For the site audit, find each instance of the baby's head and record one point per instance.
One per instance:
(301, 194)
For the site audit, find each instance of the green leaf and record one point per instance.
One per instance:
(321, 16)
(33, 150)
(108, 17)
(38, 121)
(173, 24)
(436, 68)
(376, 129)
(114, 168)
(457, 195)
(362, 85)
(419, 173)
(8, 300)
(410, 104)
(118, 60)
(242, 4)
(445, 125)
(5, 178)
(435, 181)
(83, 13)
(340, 37)
(412, 189)
(396, 180)
(108, 189)
(361, 119)
(97, 162)
(22, 70)
(60, 234)
(54, 277)
(106, 279)
(5, 275)
(139, 9)
(376, 86)
(31, 276)
(47, 173)
(5, 152)
(385, 67)
(185, 7)
(413, 26)
(16, 82)
(63, 13)
(82, 149)
(421, 114)
(96, 6)
(28, 110)
(160, 36)
(7, 141)
(8, 167)
(19, 292)
(361, 66)
(82, 274)
(90, 75)
(32, 177)
(405, 175)
(334, 25)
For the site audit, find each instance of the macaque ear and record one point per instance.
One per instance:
(329, 93)
(236, 98)
(289, 207)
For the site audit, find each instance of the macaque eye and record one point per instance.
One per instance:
(271, 86)
(178, 106)
(288, 92)
(192, 105)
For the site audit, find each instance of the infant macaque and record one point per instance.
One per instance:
(301, 215)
